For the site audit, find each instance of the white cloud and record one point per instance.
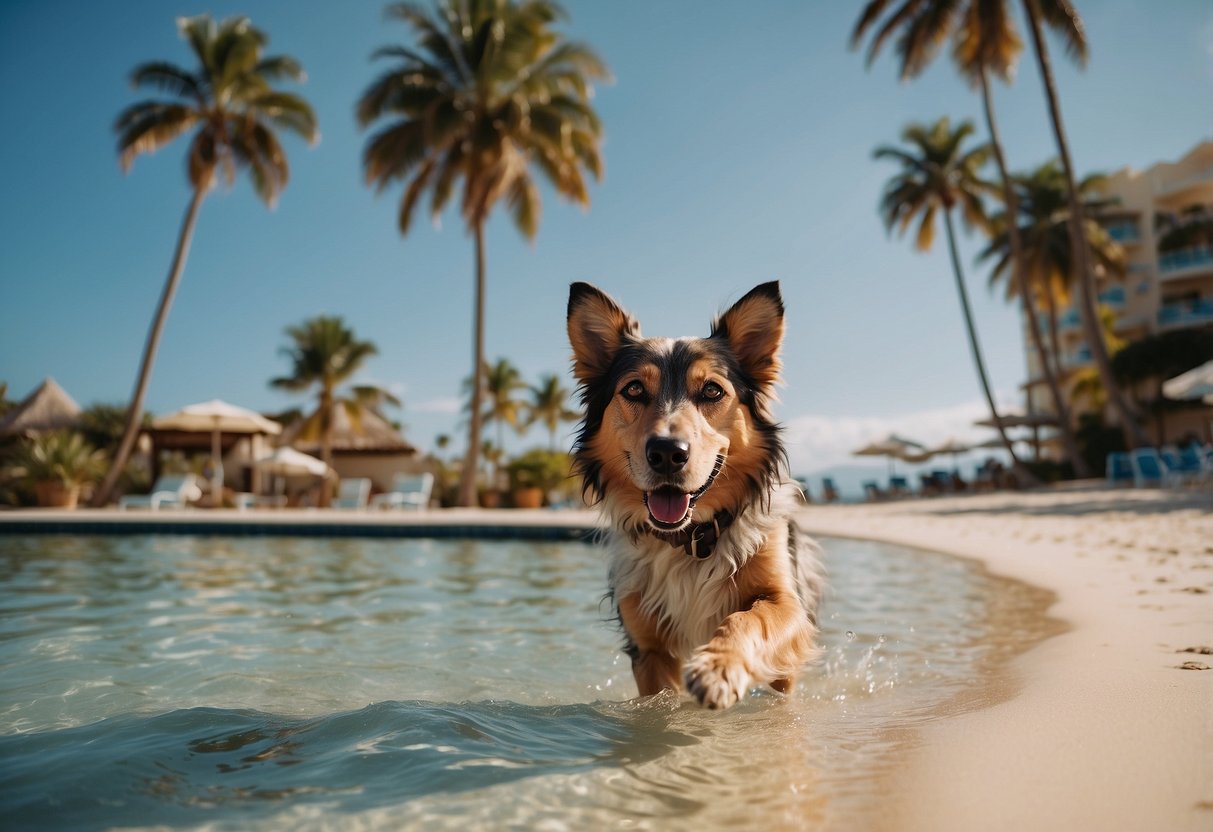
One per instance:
(815, 442)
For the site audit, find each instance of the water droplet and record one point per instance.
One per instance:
(850, 635)
(882, 638)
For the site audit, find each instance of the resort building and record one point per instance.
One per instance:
(1162, 218)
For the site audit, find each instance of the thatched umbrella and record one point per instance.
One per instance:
(48, 408)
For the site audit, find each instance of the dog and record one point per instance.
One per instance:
(714, 588)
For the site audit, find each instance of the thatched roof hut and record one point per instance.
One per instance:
(49, 407)
(371, 435)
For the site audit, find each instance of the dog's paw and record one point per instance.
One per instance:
(716, 679)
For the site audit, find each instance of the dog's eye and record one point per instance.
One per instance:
(711, 392)
(634, 392)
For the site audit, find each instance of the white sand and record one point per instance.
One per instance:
(1101, 728)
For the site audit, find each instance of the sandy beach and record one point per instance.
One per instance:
(1107, 726)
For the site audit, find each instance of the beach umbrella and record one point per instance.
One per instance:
(1197, 383)
(218, 417)
(893, 447)
(952, 446)
(288, 462)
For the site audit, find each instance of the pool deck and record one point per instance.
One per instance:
(497, 524)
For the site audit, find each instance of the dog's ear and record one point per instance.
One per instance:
(598, 327)
(753, 329)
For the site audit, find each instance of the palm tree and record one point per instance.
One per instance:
(985, 43)
(501, 381)
(549, 405)
(490, 90)
(1063, 19)
(324, 355)
(1047, 257)
(229, 103)
(938, 176)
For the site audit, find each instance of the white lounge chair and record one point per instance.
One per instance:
(408, 491)
(169, 491)
(353, 493)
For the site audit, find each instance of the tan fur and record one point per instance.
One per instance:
(742, 617)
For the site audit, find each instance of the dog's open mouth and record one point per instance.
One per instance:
(670, 507)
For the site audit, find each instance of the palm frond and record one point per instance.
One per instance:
(168, 78)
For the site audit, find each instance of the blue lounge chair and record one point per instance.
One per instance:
(1149, 468)
(408, 491)
(829, 491)
(899, 486)
(1119, 469)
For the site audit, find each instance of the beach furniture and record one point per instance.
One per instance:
(829, 491)
(169, 491)
(353, 493)
(408, 491)
(1149, 468)
(1118, 469)
(899, 486)
(1185, 464)
(871, 491)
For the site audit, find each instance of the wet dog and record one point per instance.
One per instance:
(714, 589)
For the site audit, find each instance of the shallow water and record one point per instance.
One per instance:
(295, 683)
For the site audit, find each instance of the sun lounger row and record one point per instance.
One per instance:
(1163, 467)
(409, 491)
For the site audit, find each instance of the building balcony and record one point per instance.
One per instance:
(1185, 313)
(1125, 232)
(1185, 262)
(1183, 189)
(1080, 357)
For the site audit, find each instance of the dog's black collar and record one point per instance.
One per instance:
(698, 540)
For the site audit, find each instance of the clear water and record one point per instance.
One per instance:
(295, 683)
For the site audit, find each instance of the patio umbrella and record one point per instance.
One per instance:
(952, 446)
(893, 447)
(219, 418)
(288, 462)
(1197, 383)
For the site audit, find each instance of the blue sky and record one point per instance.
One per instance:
(738, 150)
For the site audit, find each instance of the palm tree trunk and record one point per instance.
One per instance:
(134, 413)
(1019, 271)
(1134, 434)
(326, 441)
(1025, 476)
(471, 460)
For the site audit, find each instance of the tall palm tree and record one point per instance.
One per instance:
(325, 354)
(1064, 20)
(938, 176)
(549, 405)
(985, 43)
(490, 90)
(229, 104)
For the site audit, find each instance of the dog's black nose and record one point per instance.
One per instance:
(667, 455)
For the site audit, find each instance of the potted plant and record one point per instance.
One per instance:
(58, 463)
(535, 473)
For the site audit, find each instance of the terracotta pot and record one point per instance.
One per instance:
(528, 498)
(490, 499)
(54, 494)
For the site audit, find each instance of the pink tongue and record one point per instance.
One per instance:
(668, 506)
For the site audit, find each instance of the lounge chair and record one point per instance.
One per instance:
(169, 491)
(829, 491)
(1185, 464)
(872, 492)
(1149, 468)
(353, 493)
(1119, 469)
(408, 491)
(899, 486)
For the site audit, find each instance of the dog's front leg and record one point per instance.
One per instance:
(653, 666)
(768, 642)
